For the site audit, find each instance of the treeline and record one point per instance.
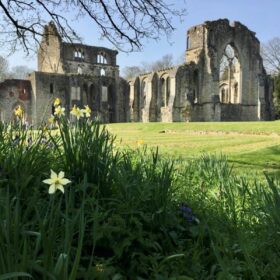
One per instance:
(16, 72)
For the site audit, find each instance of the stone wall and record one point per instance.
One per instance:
(194, 88)
(15, 92)
(87, 75)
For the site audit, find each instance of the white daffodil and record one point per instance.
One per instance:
(59, 111)
(56, 182)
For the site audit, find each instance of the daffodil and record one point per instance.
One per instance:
(57, 102)
(59, 111)
(18, 112)
(99, 267)
(51, 119)
(77, 112)
(74, 110)
(140, 142)
(56, 182)
(87, 111)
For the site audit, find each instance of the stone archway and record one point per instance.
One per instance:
(94, 99)
(154, 103)
(136, 105)
(84, 95)
(230, 76)
(111, 104)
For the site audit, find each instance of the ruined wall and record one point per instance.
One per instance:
(206, 47)
(193, 89)
(123, 101)
(15, 92)
(45, 88)
(49, 52)
(238, 112)
(83, 59)
(86, 75)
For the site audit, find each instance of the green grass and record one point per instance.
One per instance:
(133, 214)
(250, 146)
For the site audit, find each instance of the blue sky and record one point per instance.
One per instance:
(261, 16)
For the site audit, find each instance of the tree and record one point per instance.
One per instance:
(271, 55)
(20, 72)
(125, 23)
(130, 72)
(276, 95)
(4, 69)
(165, 62)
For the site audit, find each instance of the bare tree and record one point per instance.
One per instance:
(165, 62)
(130, 72)
(20, 72)
(125, 23)
(271, 55)
(4, 69)
(181, 59)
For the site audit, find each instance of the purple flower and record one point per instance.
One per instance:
(185, 208)
(187, 213)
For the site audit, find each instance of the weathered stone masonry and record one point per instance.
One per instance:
(222, 79)
(76, 73)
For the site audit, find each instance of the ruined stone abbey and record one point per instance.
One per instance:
(222, 79)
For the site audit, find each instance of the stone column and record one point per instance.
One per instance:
(146, 106)
(130, 102)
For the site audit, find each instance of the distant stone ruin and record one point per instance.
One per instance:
(223, 79)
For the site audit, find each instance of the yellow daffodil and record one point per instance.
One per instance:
(100, 268)
(56, 182)
(77, 112)
(87, 111)
(57, 102)
(18, 112)
(51, 120)
(140, 142)
(74, 110)
(59, 111)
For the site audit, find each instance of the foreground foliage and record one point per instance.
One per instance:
(129, 214)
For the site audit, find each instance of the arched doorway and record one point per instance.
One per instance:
(94, 99)
(164, 90)
(111, 104)
(85, 95)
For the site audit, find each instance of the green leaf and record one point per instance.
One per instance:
(14, 275)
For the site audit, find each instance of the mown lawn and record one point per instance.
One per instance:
(251, 146)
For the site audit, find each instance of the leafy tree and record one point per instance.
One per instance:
(125, 23)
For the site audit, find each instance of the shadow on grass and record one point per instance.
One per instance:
(264, 160)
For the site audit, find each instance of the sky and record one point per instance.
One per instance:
(260, 16)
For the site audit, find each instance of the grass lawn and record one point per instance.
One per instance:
(251, 146)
